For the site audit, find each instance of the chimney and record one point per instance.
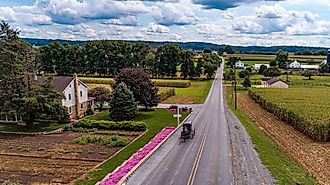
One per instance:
(76, 95)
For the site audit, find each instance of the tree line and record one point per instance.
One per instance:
(107, 58)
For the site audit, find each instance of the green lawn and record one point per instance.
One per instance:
(43, 127)
(284, 169)
(198, 89)
(155, 121)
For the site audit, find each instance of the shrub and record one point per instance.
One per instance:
(112, 125)
(114, 141)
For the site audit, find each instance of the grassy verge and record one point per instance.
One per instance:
(199, 89)
(284, 169)
(155, 121)
(43, 127)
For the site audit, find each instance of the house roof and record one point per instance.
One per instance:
(274, 80)
(309, 66)
(265, 79)
(59, 82)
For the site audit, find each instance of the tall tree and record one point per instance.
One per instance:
(168, 57)
(282, 58)
(199, 67)
(138, 81)
(122, 104)
(6, 33)
(272, 72)
(188, 65)
(246, 82)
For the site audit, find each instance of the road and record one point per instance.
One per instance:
(204, 160)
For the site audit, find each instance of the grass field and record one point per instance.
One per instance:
(306, 109)
(195, 94)
(284, 169)
(155, 121)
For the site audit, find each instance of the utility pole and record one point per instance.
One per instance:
(235, 86)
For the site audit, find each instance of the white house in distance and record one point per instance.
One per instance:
(75, 92)
(273, 83)
(240, 65)
(257, 66)
(294, 65)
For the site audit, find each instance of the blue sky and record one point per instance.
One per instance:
(239, 22)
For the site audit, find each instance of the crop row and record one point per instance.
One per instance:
(159, 83)
(112, 125)
(113, 141)
(304, 109)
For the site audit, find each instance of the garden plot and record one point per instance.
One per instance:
(55, 158)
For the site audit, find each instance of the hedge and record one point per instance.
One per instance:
(112, 125)
(173, 83)
(166, 93)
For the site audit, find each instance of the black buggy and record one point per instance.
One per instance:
(188, 131)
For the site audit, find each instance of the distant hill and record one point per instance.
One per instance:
(197, 46)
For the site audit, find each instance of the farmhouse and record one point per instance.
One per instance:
(273, 83)
(75, 92)
(240, 65)
(294, 65)
(257, 66)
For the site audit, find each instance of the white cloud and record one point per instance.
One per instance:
(156, 28)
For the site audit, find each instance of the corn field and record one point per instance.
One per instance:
(307, 110)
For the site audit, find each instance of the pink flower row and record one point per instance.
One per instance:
(120, 172)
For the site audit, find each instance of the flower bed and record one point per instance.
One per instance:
(124, 169)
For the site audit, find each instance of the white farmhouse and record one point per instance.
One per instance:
(294, 65)
(257, 66)
(75, 92)
(240, 65)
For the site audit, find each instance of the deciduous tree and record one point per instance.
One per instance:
(101, 96)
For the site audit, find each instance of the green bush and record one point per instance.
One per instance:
(166, 93)
(112, 125)
(79, 129)
(114, 141)
(173, 83)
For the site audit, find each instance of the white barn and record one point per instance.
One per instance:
(257, 66)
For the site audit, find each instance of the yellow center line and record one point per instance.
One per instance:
(199, 155)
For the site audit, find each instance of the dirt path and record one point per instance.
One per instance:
(313, 156)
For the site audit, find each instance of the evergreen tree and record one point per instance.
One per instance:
(122, 104)
(246, 82)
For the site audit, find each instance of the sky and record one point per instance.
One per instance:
(239, 22)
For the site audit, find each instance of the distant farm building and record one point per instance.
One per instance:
(257, 66)
(240, 65)
(294, 65)
(309, 67)
(273, 83)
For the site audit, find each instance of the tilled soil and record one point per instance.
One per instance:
(48, 159)
(313, 156)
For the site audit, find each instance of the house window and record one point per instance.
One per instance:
(69, 96)
(81, 106)
(70, 85)
(80, 93)
(70, 110)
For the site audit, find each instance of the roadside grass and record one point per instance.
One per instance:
(198, 89)
(155, 121)
(283, 168)
(42, 127)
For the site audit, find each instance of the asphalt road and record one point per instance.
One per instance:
(203, 160)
